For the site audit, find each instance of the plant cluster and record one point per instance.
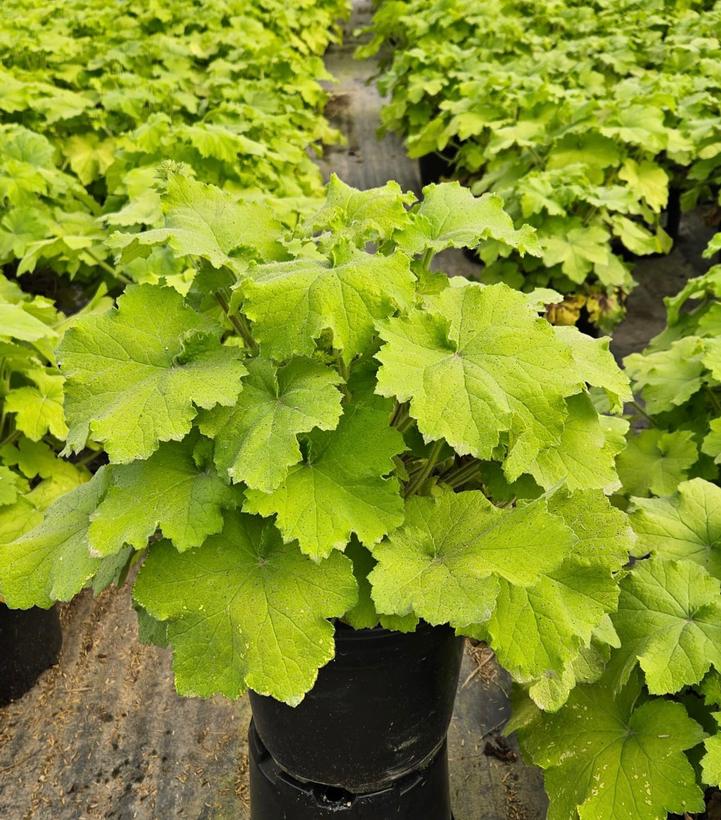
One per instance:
(32, 425)
(96, 97)
(583, 116)
(644, 739)
(678, 381)
(319, 428)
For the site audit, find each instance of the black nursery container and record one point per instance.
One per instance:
(275, 795)
(379, 710)
(30, 642)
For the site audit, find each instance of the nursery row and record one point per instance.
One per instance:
(596, 122)
(96, 97)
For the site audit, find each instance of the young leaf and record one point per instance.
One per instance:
(245, 610)
(203, 221)
(668, 378)
(38, 408)
(293, 303)
(340, 489)
(135, 375)
(256, 441)
(656, 461)
(169, 491)
(449, 216)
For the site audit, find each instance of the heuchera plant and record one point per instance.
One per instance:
(323, 427)
(678, 380)
(583, 115)
(644, 739)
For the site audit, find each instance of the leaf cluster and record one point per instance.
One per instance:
(96, 98)
(584, 117)
(319, 426)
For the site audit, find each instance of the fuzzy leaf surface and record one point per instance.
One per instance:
(136, 374)
(256, 441)
(340, 488)
(246, 611)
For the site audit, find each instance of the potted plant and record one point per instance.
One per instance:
(32, 475)
(326, 447)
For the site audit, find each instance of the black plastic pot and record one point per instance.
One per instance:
(380, 709)
(30, 642)
(276, 795)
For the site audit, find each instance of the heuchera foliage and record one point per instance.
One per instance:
(582, 115)
(320, 427)
(95, 97)
(644, 740)
(678, 381)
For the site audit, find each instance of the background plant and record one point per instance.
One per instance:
(582, 116)
(644, 739)
(323, 428)
(94, 98)
(677, 380)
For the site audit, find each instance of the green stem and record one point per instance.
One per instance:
(640, 410)
(12, 437)
(427, 258)
(238, 322)
(457, 476)
(101, 263)
(714, 399)
(420, 479)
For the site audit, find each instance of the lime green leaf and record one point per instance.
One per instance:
(668, 378)
(169, 492)
(203, 221)
(39, 409)
(451, 217)
(686, 525)
(340, 488)
(479, 366)
(136, 374)
(711, 445)
(245, 610)
(537, 632)
(585, 455)
(648, 180)
(52, 562)
(597, 365)
(605, 756)
(577, 251)
(9, 484)
(17, 323)
(656, 461)
(445, 562)
(293, 303)
(367, 216)
(711, 761)
(89, 156)
(669, 620)
(256, 441)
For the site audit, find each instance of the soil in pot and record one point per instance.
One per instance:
(277, 795)
(380, 709)
(30, 642)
